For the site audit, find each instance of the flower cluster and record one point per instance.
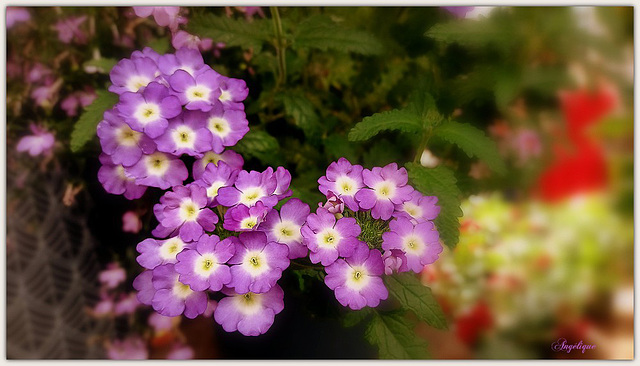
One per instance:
(169, 105)
(245, 265)
(372, 224)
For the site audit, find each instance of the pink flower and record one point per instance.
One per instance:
(16, 15)
(112, 276)
(163, 15)
(183, 39)
(77, 99)
(46, 95)
(69, 30)
(41, 142)
(131, 222)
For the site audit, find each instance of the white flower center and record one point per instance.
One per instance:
(189, 210)
(157, 164)
(205, 265)
(219, 126)
(184, 137)
(225, 96)
(357, 278)
(249, 303)
(328, 238)
(180, 290)
(122, 175)
(345, 186)
(170, 248)
(127, 137)
(255, 263)
(251, 195)
(413, 210)
(197, 93)
(212, 191)
(147, 112)
(385, 190)
(286, 232)
(248, 223)
(412, 244)
(136, 82)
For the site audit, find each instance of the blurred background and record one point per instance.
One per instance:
(545, 252)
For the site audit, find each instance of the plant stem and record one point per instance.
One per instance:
(421, 147)
(280, 46)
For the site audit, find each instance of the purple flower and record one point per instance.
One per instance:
(250, 188)
(251, 314)
(16, 15)
(357, 280)
(458, 11)
(227, 126)
(69, 30)
(204, 268)
(133, 75)
(284, 227)
(183, 39)
(186, 134)
(199, 92)
(132, 348)
(232, 158)
(38, 73)
(344, 180)
(185, 59)
(46, 95)
(419, 242)
(143, 283)
(173, 297)
(124, 145)
(283, 179)
(146, 52)
(216, 177)
(163, 15)
(418, 208)
(155, 253)
(243, 218)
(160, 322)
(148, 112)
(180, 351)
(115, 179)
(387, 187)
(127, 304)
(257, 263)
(395, 261)
(158, 170)
(334, 204)
(112, 276)
(233, 92)
(41, 142)
(327, 238)
(184, 211)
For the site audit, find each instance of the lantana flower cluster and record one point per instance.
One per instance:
(373, 224)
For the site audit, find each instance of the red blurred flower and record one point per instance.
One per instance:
(470, 325)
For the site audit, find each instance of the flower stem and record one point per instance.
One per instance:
(280, 46)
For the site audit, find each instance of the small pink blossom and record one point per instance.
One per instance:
(16, 15)
(131, 222)
(46, 95)
(77, 99)
(112, 276)
(69, 30)
(183, 39)
(163, 15)
(41, 142)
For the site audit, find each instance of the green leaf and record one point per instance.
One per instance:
(260, 145)
(395, 337)
(415, 296)
(473, 142)
(423, 104)
(301, 110)
(355, 317)
(102, 65)
(231, 31)
(309, 273)
(397, 119)
(337, 146)
(160, 45)
(320, 32)
(85, 129)
(440, 182)
(473, 33)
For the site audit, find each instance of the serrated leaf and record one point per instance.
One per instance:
(320, 32)
(415, 296)
(397, 119)
(440, 182)
(473, 142)
(355, 317)
(301, 110)
(260, 145)
(102, 65)
(395, 337)
(85, 129)
(231, 31)
(423, 104)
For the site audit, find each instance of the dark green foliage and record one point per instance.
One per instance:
(85, 129)
(415, 296)
(233, 32)
(322, 33)
(394, 336)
